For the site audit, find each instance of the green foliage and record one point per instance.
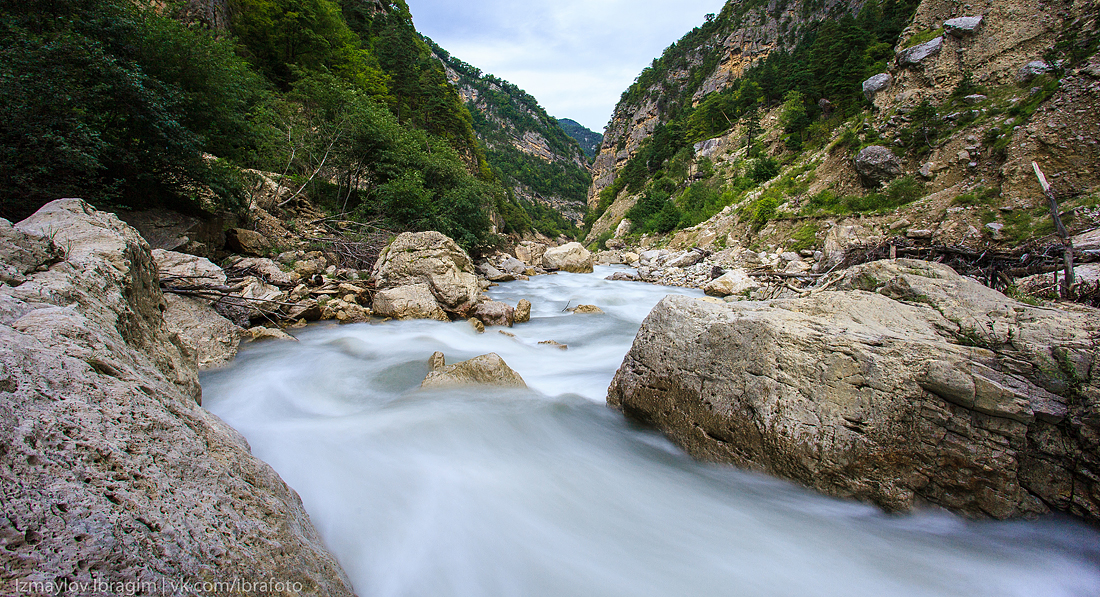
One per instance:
(921, 37)
(924, 130)
(588, 140)
(764, 169)
(804, 238)
(654, 212)
(901, 191)
(115, 104)
(978, 196)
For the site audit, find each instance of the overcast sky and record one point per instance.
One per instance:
(576, 57)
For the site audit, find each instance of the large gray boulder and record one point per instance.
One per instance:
(209, 337)
(909, 384)
(414, 301)
(531, 252)
(433, 259)
(876, 84)
(112, 471)
(919, 53)
(877, 164)
(570, 257)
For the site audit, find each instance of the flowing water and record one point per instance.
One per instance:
(488, 492)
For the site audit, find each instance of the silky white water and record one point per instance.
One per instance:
(488, 492)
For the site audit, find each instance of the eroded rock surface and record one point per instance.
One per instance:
(910, 383)
(433, 260)
(487, 369)
(112, 470)
(570, 257)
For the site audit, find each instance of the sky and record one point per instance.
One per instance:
(576, 57)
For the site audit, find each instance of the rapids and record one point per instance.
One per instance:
(491, 492)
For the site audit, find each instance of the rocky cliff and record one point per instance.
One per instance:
(112, 471)
(904, 383)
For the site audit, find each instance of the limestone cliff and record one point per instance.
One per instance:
(112, 471)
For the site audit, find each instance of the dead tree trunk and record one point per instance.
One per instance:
(1067, 243)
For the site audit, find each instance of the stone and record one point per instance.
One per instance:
(876, 84)
(209, 337)
(919, 53)
(555, 344)
(877, 164)
(112, 470)
(622, 229)
(476, 324)
(523, 311)
(629, 257)
(919, 233)
(623, 277)
(487, 369)
(905, 384)
(685, 259)
(735, 281)
(840, 241)
(414, 301)
(431, 259)
(570, 257)
(586, 310)
(1031, 70)
(22, 253)
(790, 256)
(530, 252)
(493, 274)
(962, 26)
(187, 269)
(974, 99)
(264, 268)
(437, 361)
(494, 313)
(247, 242)
(307, 309)
(513, 266)
(260, 332)
(261, 298)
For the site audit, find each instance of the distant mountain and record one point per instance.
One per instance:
(589, 140)
(544, 167)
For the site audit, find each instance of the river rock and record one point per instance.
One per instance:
(414, 301)
(840, 240)
(586, 310)
(1031, 70)
(962, 26)
(570, 257)
(735, 281)
(685, 259)
(877, 164)
(493, 274)
(431, 259)
(876, 84)
(255, 334)
(187, 269)
(513, 266)
(919, 53)
(112, 471)
(909, 384)
(494, 313)
(261, 298)
(530, 252)
(247, 242)
(487, 369)
(522, 312)
(210, 338)
(263, 267)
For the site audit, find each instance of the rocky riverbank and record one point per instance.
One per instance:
(112, 472)
(904, 383)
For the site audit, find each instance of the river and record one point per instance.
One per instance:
(488, 492)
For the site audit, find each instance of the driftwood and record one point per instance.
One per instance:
(1067, 243)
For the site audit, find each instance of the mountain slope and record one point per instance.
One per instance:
(526, 147)
(589, 141)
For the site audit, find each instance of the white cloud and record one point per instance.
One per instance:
(575, 56)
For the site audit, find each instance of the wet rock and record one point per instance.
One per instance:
(263, 267)
(555, 344)
(255, 334)
(494, 313)
(432, 260)
(586, 310)
(513, 266)
(522, 312)
(623, 277)
(476, 324)
(487, 369)
(414, 301)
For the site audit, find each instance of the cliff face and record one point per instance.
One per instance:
(714, 56)
(535, 157)
(112, 471)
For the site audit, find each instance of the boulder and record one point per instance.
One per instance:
(260, 297)
(265, 268)
(209, 337)
(493, 274)
(919, 53)
(112, 470)
(307, 309)
(182, 269)
(623, 277)
(255, 334)
(173, 231)
(685, 259)
(494, 313)
(513, 266)
(414, 301)
(431, 259)
(586, 310)
(839, 241)
(570, 257)
(622, 229)
(21, 254)
(523, 311)
(877, 164)
(908, 384)
(487, 369)
(962, 26)
(1031, 70)
(530, 252)
(735, 281)
(876, 84)
(247, 242)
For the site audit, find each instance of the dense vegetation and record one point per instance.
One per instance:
(824, 60)
(127, 107)
(503, 115)
(589, 140)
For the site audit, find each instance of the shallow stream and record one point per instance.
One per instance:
(491, 492)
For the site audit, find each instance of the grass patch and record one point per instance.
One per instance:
(978, 196)
(804, 238)
(901, 191)
(921, 37)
